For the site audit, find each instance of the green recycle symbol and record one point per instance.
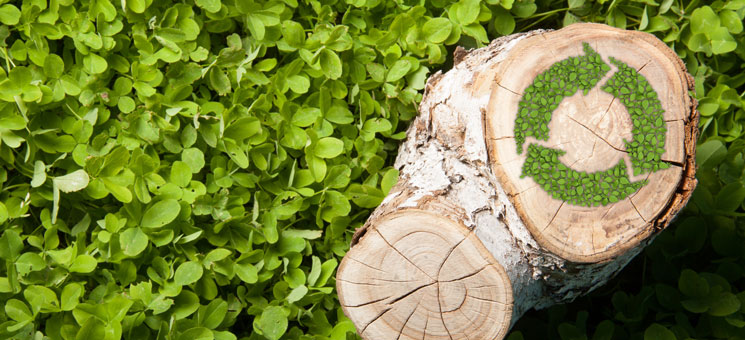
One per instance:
(563, 79)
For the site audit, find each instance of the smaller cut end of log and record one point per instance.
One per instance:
(418, 275)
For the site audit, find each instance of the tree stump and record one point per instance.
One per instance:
(539, 166)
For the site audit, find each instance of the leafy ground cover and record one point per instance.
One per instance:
(195, 169)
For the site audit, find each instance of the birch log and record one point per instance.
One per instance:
(539, 166)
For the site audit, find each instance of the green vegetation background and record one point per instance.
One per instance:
(194, 170)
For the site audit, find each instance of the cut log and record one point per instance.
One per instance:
(539, 166)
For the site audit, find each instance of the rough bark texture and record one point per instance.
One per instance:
(446, 171)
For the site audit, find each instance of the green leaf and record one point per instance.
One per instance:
(10, 245)
(504, 23)
(41, 299)
(703, 20)
(126, 104)
(399, 69)
(194, 158)
(246, 272)
(133, 241)
(273, 323)
(338, 177)
(306, 116)
(329, 147)
(616, 18)
(212, 6)
(658, 332)
(604, 331)
(17, 310)
(83, 264)
(196, 333)
(92, 329)
(339, 114)
(40, 174)
(297, 294)
(436, 30)
(731, 21)
(390, 178)
(293, 33)
(160, 213)
(54, 66)
(691, 284)
(184, 304)
(524, 9)
(467, 11)
(74, 181)
(180, 173)
(95, 64)
(721, 41)
(298, 83)
(327, 269)
(364, 196)
(576, 3)
(71, 296)
(9, 14)
(29, 262)
(302, 233)
(137, 6)
(215, 313)
(330, 63)
(224, 335)
(335, 204)
(724, 304)
(219, 81)
(188, 273)
(710, 154)
(315, 271)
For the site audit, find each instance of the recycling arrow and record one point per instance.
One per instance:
(563, 79)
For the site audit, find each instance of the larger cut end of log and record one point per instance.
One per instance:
(587, 134)
(418, 275)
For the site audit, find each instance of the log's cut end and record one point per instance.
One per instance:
(591, 131)
(418, 275)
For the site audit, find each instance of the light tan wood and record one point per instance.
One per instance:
(418, 275)
(591, 129)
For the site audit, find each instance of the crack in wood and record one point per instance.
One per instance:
(366, 265)
(637, 210)
(369, 302)
(597, 135)
(514, 92)
(375, 319)
(424, 330)
(450, 252)
(607, 109)
(554, 217)
(643, 66)
(402, 255)
(407, 319)
(673, 163)
(442, 317)
(501, 138)
(392, 302)
(359, 283)
(467, 276)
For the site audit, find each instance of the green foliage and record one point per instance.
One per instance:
(577, 187)
(195, 170)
